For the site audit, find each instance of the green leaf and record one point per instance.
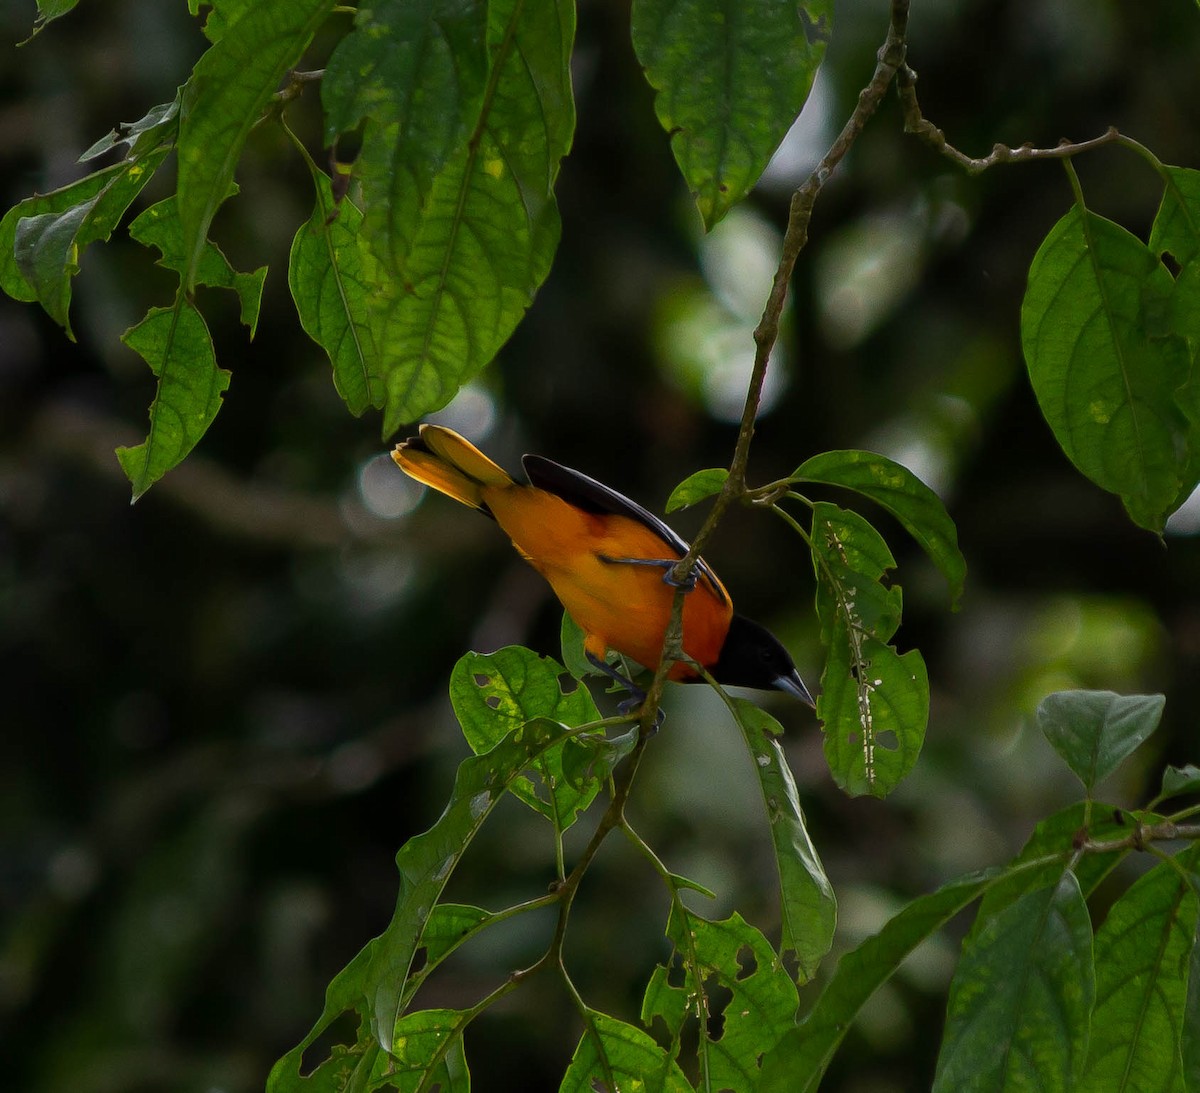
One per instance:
(901, 493)
(808, 905)
(1190, 1041)
(696, 487)
(494, 694)
(50, 231)
(224, 99)
(1142, 953)
(373, 984)
(571, 639)
(458, 200)
(158, 126)
(48, 11)
(874, 704)
(1176, 229)
(427, 1053)
(331, 274)
(1021, 996)
(728, 956)
(800, 1060)
(1179, 781)
(176, 344)
(615, 1057)
(159, 226)
(730, 80)
(1094, 731)
(1106, 369)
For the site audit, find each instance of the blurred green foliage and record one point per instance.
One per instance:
(226, 707)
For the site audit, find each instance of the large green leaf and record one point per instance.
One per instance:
(731, 78)
(331, 274)
(427, 1053)
(1094, 731)
(224, 99)
(808, 905)
(1021, 996)
(1142, 957)
(458, 175)
(1106, 368)
(373, 984)
(494, 694)
(800, 1060)
(900, 492)
(733, 969)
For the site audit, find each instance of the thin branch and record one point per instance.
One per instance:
(1140, 837)
(921, 127)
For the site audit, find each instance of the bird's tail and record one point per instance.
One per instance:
(445, 461)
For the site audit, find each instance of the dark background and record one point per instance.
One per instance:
(223, 709)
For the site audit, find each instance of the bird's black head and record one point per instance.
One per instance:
(754, 657)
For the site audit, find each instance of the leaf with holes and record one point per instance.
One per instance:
(1109, 373)
(1142, 954)
(493, 694)
(46, 245)
(376, 983)
(1176, 229)
(427, 1053)
(748, 997)
(808, 906)
(730, 81)
(1021, 996)
(612, 1055)
(1095, 731)
(874, 704)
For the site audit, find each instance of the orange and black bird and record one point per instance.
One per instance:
(609, 562)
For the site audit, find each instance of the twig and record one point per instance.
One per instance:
(1140, 837)
(921, 127)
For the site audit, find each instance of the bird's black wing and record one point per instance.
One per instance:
(586, 493)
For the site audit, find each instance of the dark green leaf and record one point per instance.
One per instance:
(1189, 1045)
(728, 956)
(1178, 781)
(464, 228)
(696, 487)
(731, 79)
(47, 245)
(1142, 953)
(799, 1061)
(808, 905)
(176, 344)
(1104, 366)
(494, 694)
(446, 927)
(1176, 229)
(1021, 996)
(331, 273)
(373, 983)
(1094, 731)
(901, 493)
(224, 98)
(158, 226)
(615, 1056)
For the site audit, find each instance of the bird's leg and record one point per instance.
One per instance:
(637, 696)
(667, 565)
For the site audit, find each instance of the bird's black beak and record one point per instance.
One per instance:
(794, 685)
